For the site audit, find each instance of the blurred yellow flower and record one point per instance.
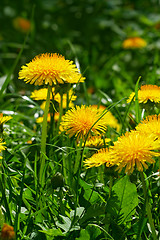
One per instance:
(99, 158)
(56, 117)
(80, 121)
(146, 92)
(50, 68)
(150, 125)
(4, 119)
(7, 232)
(40, 119)
(134, 149)
(22, 24)
(96, 142)
(41, 94)
(134, 42)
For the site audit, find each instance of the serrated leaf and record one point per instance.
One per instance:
(127, 196)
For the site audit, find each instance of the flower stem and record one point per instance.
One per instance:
(43, 139)
(148, 209)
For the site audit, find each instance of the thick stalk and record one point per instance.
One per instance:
(43, 139)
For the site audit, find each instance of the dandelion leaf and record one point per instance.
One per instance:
(127, 196)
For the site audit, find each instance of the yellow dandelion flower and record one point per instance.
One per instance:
(134, 149)
(79, 121)
(4, 119)
(150, 125)
(147, 92)
(134, 42)
(96, 142)
(41, 94)
(109, 118)
(40, 119)
(98, 159)
(7, 232)
(56, 117)
(2, 147)
(50, 68)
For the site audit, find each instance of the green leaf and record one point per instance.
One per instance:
(50, 233)
(89, 194)
(84, 235)
(127, 196)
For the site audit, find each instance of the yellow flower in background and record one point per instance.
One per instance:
(134, 149)
(22, 24)
(78, 121)
(147, 92)
(134, 42)
(7, 232)
(96, 142)
(4, 119)
(98, 159)
(50, 68)
(2, 147)
(40, 119)
(56, 117)
(41, 94)
(109, 118)
(150, 125)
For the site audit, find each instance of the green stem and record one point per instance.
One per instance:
(43, 139)
(148, 209)
(110, 185)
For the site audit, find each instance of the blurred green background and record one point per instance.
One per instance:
(88, 32)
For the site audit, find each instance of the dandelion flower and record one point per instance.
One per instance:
(134, 149)
(80, 121)
(40, 119)
(150, 125)
(109, 118)
(50, 68)
(41, 94)
(98, 159)
(4, 119)
(96, 142)
(134, 42)
(56, 117)
(147, 93)
(2, 147)
(7, 232)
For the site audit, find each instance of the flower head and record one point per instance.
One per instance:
(109, 118)
(99, 158)
(147, 92)
(22, 24)
(134, 42)
(80, 121)
(41, 94)
(50, 69)
(134, 149)
(150, 125)
(7, 232)
(2, 147)
(4, 119)
(96, 142)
